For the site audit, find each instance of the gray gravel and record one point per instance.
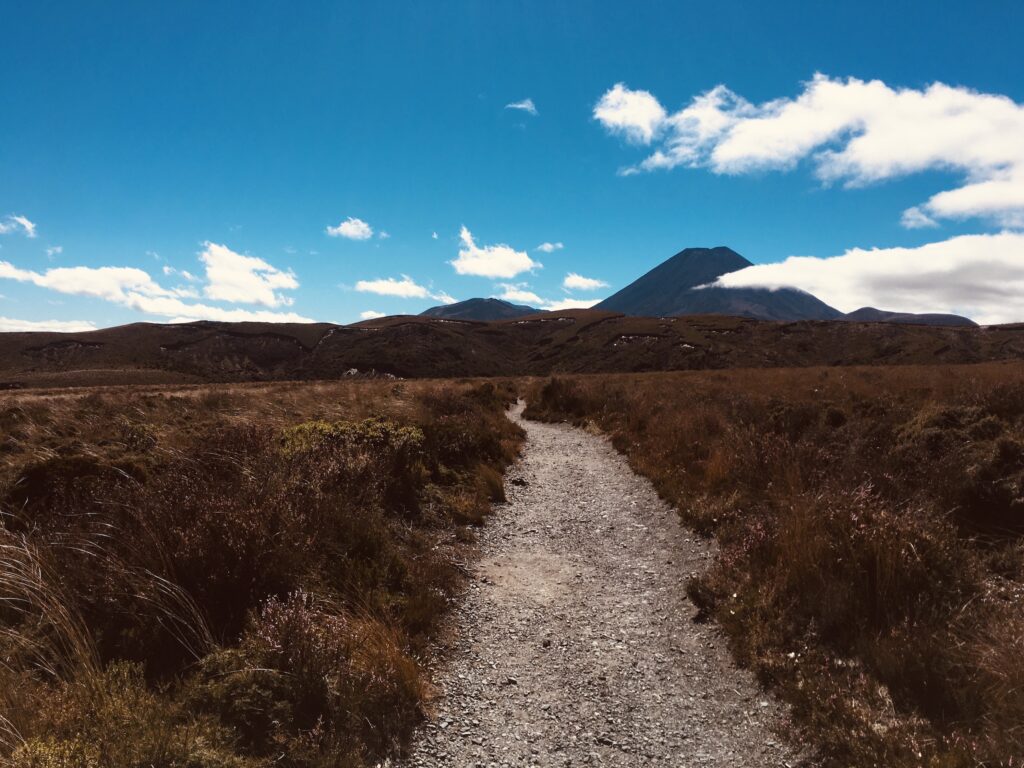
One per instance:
(575, 643)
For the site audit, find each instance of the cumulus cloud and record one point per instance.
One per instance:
(8, 324)
(237, 278)
(494, 261)
(526, 105)
(406, 288)
(853, 131)
(15, 222)
(352, 228)
(981, 276)
(574, 282)
(371, 314)
(550, 247)
(636, 115)
(135, 289)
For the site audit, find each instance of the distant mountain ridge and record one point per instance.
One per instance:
(480, 309)
(872, 315)
(674, 288)
(583, 341)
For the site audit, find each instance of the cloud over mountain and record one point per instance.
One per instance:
(980, 276)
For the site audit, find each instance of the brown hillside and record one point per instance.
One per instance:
(579, 341)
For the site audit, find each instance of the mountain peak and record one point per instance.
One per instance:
(674, 288)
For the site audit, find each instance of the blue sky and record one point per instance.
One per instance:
(203, 153)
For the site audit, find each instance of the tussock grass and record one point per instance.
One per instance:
(871, 566)
(232, 576)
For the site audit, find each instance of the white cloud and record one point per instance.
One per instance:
(981, 276)
(576, 282)
(555, 306)
(135, 289)
(550, 247)
(637, 115)
(495, 261)
(915, 218)
(371, 314)
(54, 250)
(10, 325)
(433, 235)
(352, 228)
(406, 288)
(13, 223)
(854, 131)
(382, 235)
(184, 273)
(526, 105)
(244, 279)
(519, 293)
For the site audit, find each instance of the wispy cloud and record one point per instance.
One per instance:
(352, 229)
(494, 261)
(526, 105)
(54, 250)
(854, 131)
(14, 222)
(550, 247)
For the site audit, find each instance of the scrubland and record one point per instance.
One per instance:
(869, 521)
(235, 575)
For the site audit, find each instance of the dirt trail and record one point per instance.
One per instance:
(576, 644)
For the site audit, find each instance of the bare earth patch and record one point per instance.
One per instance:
(576, 644)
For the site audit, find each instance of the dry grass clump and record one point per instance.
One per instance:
(231, 576)
(871, 565)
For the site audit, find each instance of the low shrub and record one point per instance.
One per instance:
(160, 552)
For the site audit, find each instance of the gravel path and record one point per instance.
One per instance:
(575, 644)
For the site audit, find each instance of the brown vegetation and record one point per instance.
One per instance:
(232, 576)
(577, 341)
(870, 521)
